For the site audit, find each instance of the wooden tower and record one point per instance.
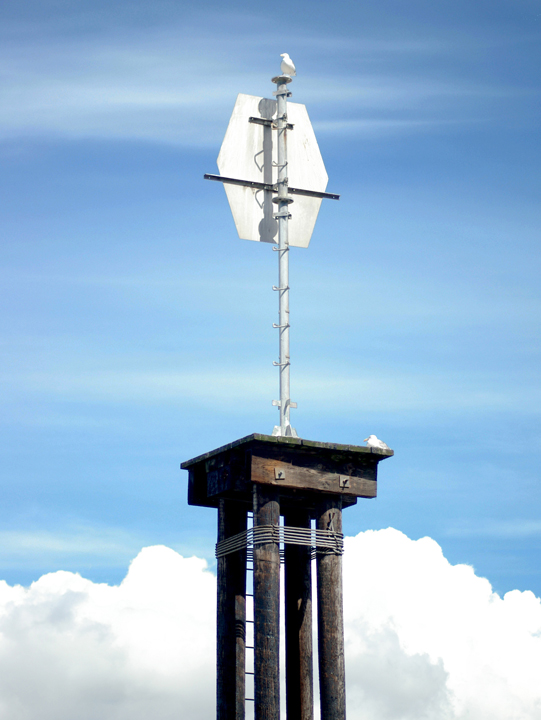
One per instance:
(301, 481)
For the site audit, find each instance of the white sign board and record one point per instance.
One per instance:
(248, 153)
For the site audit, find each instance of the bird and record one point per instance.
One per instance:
(373, 442)
(287, 66)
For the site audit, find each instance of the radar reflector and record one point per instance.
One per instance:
(249, 154)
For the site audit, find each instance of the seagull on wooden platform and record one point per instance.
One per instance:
(287, 66)
(374, 442)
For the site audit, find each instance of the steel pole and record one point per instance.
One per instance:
(283, 200)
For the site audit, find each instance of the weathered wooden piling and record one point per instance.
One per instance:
(266, 608)
(231, 619)
(298, 622)
(330, 620)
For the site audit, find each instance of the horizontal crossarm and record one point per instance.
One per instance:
(272, 188)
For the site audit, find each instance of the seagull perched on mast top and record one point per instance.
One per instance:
(373, 441)
(287, 66)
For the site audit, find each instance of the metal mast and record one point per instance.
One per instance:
(283, 201)
(247, 162)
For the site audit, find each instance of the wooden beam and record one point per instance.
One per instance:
(266, 609)
(298, 624)
(231, 625)
(269, 471)
(330, 619)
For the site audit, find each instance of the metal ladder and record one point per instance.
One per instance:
(249, 668)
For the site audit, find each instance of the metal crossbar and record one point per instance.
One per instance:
(271, 188)
(320, 541)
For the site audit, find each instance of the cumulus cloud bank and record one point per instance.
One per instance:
(71, 649)
(427, 639)
(424, 639)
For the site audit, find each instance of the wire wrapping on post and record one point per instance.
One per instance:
(321, 542)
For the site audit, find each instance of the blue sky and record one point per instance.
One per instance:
(136, 330)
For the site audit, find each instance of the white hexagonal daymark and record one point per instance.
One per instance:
(248, 153)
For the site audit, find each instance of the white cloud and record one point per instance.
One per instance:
(459, 650)
(71, 649)
(424, 639)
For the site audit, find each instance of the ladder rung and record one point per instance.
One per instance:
(248, 673)
(249, 647)
(249, 699)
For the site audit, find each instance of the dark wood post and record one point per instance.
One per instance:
(266, 609)
(298, 622)
(231, 640)
(330, 618)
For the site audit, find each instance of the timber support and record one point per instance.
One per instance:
(298, 622)
(303, 482)
(231, 620)
(330, 620)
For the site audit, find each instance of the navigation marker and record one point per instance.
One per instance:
(268, 155)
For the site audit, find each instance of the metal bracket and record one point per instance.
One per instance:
(282, 79)
(343, 481)
(280, 364)
(279, 200)
(274, 325)
(277, 403)
(330, 525)
(283, 288)
(283, 215)
(268, 123)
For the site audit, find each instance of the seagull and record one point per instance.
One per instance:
(373, 442)
(287, 66)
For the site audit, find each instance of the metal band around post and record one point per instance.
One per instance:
(321, 541)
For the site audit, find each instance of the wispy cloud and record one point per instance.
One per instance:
(81, 541)
(379, 127)
(83, 545)
(512, 528)
(342, 390)
(173, 85)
